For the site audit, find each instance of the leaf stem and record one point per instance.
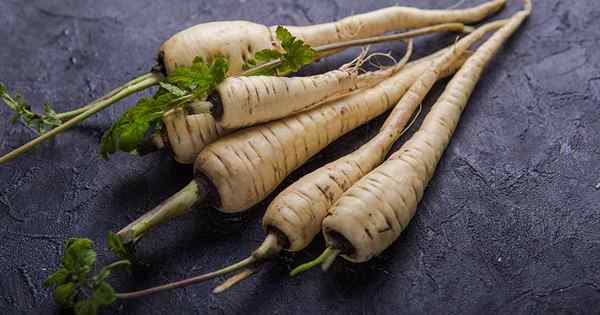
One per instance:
(120, 93)
(186, 282)
(270, 247)
(327, 256)
(64, 116)
(176, 205)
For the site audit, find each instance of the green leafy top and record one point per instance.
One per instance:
(183, 86)
(73, 285)
(40, 123)
(296, 54)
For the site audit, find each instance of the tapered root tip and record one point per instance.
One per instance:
(234, 280)
(178, 204)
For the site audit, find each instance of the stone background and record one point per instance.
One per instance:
(510, 223)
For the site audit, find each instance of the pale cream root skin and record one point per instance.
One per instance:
(247, 101)
(240, 40)
(251, 100)
(189, 134)
(389, 19)
(373, 212)
(299, 210)
(236, 40)
(247, 165)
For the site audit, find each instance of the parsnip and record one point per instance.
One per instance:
(247, 101)
(374, 211)
(240, 40)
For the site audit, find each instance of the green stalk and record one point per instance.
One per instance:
(65, 116)
(139, 84)
(326, 259)
(175, 206)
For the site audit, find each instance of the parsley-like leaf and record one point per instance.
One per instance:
(104, 294)
(267, 55)
(79, 256)
(73, 285)
(86, 307)
(59, 277)
(40, 123)
(296, 54)
(64, 294)
(116, 245)
(183, 86)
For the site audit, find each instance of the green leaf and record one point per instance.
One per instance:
(218, 70)
(86, 307)
(115, 244)
(284, 36)
(129, 131)
(79, 257)
(64, 294)
(266, 55)
(296, 54)
(181, 87)
(57, 278)
(104, 294)
(38, 122)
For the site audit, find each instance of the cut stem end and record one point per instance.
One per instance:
(175, 206)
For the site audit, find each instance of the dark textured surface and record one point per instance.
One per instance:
(509, 224)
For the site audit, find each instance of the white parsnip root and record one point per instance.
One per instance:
(240, 40)
(187, 134)
(248, 101)
(373, 212)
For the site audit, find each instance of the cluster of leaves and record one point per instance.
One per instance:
(74, 287)
(40, 123)
(296, 54)
(180, 88)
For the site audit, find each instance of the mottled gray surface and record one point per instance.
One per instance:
(509, 224)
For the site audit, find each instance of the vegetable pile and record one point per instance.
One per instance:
(224, 103)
